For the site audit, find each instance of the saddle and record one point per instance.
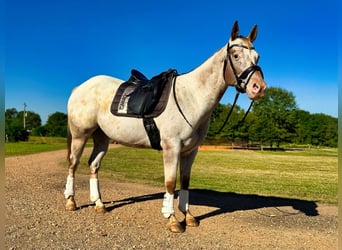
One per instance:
(140, 97)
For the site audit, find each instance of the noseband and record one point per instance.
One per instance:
(242, 78)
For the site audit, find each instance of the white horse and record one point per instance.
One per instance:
(182, 129)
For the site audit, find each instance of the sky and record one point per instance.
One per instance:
(53, 46)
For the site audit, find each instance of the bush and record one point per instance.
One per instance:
(16, 133)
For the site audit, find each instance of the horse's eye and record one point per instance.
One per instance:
(236, 56)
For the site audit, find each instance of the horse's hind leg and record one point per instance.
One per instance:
(75, 149)
(101, 142)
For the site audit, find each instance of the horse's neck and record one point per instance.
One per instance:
(204, 86)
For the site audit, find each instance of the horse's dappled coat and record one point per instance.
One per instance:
(198, 92)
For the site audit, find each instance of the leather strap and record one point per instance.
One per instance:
(153, 133)
(176, 100)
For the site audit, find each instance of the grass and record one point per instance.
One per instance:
(306, 174)
(35, 145)
(309, 175)
(291, 175)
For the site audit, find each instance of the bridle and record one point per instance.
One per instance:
(241, 79)
(246, 75)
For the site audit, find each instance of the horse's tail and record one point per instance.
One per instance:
(69, 140)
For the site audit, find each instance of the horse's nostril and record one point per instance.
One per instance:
(256, 87)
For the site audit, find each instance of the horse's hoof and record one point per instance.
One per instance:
(190, 220)
(71, 204)
(100, 209)
(174, 226)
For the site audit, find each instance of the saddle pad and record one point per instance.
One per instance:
(119, 105)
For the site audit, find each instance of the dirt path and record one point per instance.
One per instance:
(36, 219)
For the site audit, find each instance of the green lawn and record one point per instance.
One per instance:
(309, 175)
(35, 145)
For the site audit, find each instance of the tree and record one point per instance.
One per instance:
(231, 130)
(11, 114)
(259, 129)
(14, 127)
(234, 131)
(276, 121)
(303, 132)
(14, 124)
(56, 125)
(316, 129)
(32, 120)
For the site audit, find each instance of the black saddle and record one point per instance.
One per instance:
(140, 97)
(144, 98)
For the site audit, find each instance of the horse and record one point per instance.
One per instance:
(183, 124)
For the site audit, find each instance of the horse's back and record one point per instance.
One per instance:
(97, 87)
(87, 99)
(96, 82)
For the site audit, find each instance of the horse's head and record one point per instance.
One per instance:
(241, 69)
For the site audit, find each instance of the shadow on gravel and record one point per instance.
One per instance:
(119, 203)
(226, 202)
(229, 202)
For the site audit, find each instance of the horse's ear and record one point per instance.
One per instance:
(253, 34)
(235, 31)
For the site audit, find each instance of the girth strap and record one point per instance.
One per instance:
(153, 133)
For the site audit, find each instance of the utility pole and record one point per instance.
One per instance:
(24, 115)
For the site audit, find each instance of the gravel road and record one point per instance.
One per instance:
(36, 218)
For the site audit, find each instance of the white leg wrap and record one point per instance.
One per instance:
(69, 187)
(183, 200)
(167, 208)
(94, 189)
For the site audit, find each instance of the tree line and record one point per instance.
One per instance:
(273, 121)
(18, 129)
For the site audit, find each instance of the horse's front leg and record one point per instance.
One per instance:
(186, 162)
(170, 158)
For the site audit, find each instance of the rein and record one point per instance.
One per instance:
(177, 103)
(230, 112)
